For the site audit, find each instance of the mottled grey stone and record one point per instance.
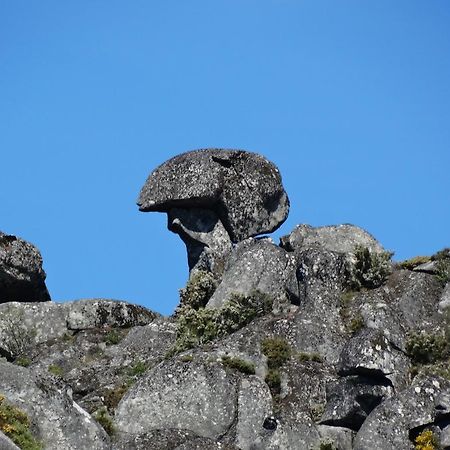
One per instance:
(257, 265)
(243, 188)
(333, 238)
(22, 278)
(92, 313)
(254, 406)
(391, 425)
(59, 421)
(370, 353)
(341, 438)
(197, 396)
(351, 399)
(23, 325)
(207, 242)
(6, 443)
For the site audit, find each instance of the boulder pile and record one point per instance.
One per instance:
(320, 342)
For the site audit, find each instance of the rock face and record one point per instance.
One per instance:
(243, 188)
(22, 278)
(59, 422)
(318, 343)
(215, 197)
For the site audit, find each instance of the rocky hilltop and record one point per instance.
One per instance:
(320, 342)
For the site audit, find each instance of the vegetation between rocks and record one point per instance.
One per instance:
(15, 424)
(199, 326)
(370, 269)
(246, 367)
(105, 420)
(442, 259)
(278, 352)
(424, 348)
(426, 440)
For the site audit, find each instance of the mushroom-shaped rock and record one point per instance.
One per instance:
(243, 188)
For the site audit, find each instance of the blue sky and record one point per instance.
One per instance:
(350, 99)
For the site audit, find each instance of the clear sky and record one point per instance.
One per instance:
(351, 99)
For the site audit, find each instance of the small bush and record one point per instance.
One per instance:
(356, 323)
(199, 326)
(427, 348)
(15, 424)
(370, 269)
(273, 380)
(327, 445)
(411, 263)
(23, 361)
(105, 420)
(198, 291)
(112, 397)
(112, 337)
(56, 370)
(137, 369)
(243, 366)
(426, 440)
(304, 356)
(187, 358)
(277, 351)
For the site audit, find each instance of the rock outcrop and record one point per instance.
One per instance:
(214, 197)
(22, 278)
(321, 342)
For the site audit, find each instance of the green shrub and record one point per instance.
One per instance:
(137, 369)
(243, 366)
(426, 440)
(411, 263)
(277, 351)
(198, 291)
(56, 370)
(273, 380)
(370, 269)
(199, 326)
(187, 358)
(304, 356)
(105, 420)
(356, 323)
(327, 445)
(112, 337)
(112, 397)
(15, 424)
(23, 361)
(427, 348)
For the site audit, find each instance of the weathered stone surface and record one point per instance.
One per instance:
(444, 301)
(6, 443)
(60, 422)
(207, 242)
(22, 278)
(93, 313)
(351, 399)
(333, 238)
(99, 364)
(243, 188)
(257, 265)
(340, 438)
(168, 439)
(407, 302)
(370, 353)
(25, 324)
(197, 396)
(397, 420)
(254, 407)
